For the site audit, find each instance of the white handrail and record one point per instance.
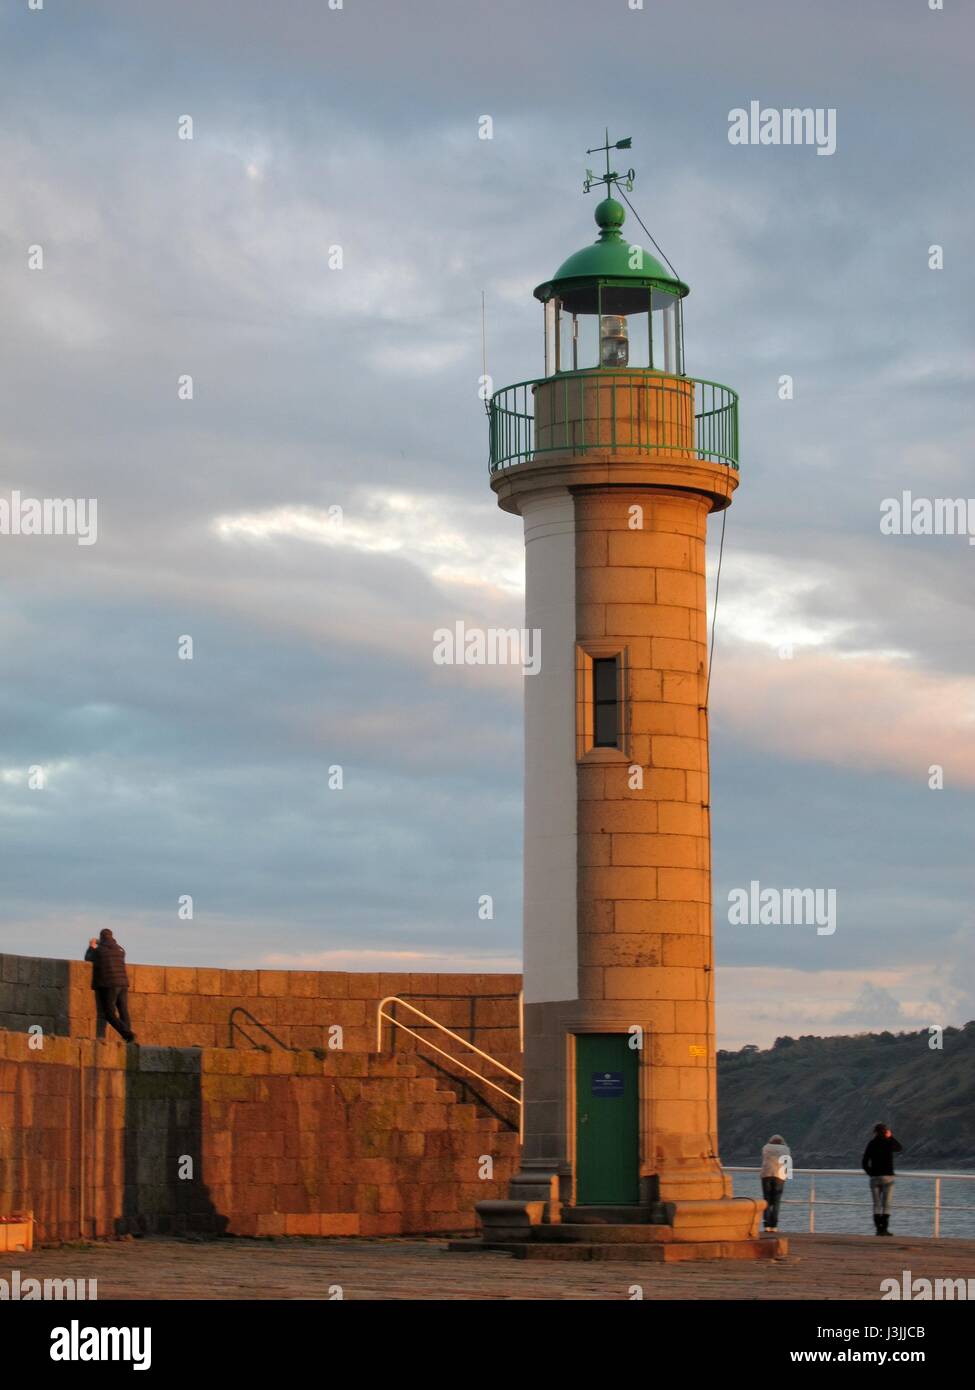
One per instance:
(937, 1207)
(397, 1023)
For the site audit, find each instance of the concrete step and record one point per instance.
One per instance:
(607, 1216)
(650, 1252)
(645, 1234)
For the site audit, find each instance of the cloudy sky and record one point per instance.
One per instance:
(844, 665)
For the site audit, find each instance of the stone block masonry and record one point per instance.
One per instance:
(62, 1134)
(97, 1139)
(368, 1148)
(94, 1136)
(176, 1006)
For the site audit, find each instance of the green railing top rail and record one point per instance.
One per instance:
(648, 374)
(647, 411)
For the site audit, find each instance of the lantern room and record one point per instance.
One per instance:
(612, 305)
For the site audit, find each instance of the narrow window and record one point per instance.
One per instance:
(605, 702)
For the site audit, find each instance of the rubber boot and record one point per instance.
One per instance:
(884, 1223)
(877, 1228)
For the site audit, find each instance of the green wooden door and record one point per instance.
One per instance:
(607, 1120)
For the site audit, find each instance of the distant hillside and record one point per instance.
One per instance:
(824, 1095)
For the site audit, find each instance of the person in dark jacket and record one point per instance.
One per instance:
(878, 1164)
(110, 982)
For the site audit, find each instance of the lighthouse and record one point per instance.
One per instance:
(614, 460)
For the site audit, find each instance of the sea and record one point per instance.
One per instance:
(843, 1204)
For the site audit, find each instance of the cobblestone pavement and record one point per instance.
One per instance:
(821, 1266)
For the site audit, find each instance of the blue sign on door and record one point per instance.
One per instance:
(607, 1085)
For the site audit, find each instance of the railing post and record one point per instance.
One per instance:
(937, 1207)
(736, 432)
(82, 1169)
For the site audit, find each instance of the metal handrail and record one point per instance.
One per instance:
(936, 1207)
(397, 1023)
(231, 1025)
(260, 1047)
(514, 428)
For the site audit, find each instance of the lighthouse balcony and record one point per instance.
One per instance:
(624, 413)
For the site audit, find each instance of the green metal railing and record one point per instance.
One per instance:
(581, 412)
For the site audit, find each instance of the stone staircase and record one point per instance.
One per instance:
(411, 1153)
(666, 1232)
(433, 1032)
(470, 1091)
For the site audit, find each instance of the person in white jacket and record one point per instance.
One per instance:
(776, 1168)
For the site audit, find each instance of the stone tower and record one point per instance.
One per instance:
(614, 460)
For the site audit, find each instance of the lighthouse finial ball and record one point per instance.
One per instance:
(610, 215)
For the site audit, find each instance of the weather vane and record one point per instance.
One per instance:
(610, 177)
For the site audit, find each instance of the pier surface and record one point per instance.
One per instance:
(817, 1267)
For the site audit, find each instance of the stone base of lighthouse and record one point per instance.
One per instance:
(619, 1156)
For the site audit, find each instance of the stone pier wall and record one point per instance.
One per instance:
(265, 1127)
(178, 1006)
(97, 1139)
(46, 1133)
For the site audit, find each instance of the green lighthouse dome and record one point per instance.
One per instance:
(610, 257)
